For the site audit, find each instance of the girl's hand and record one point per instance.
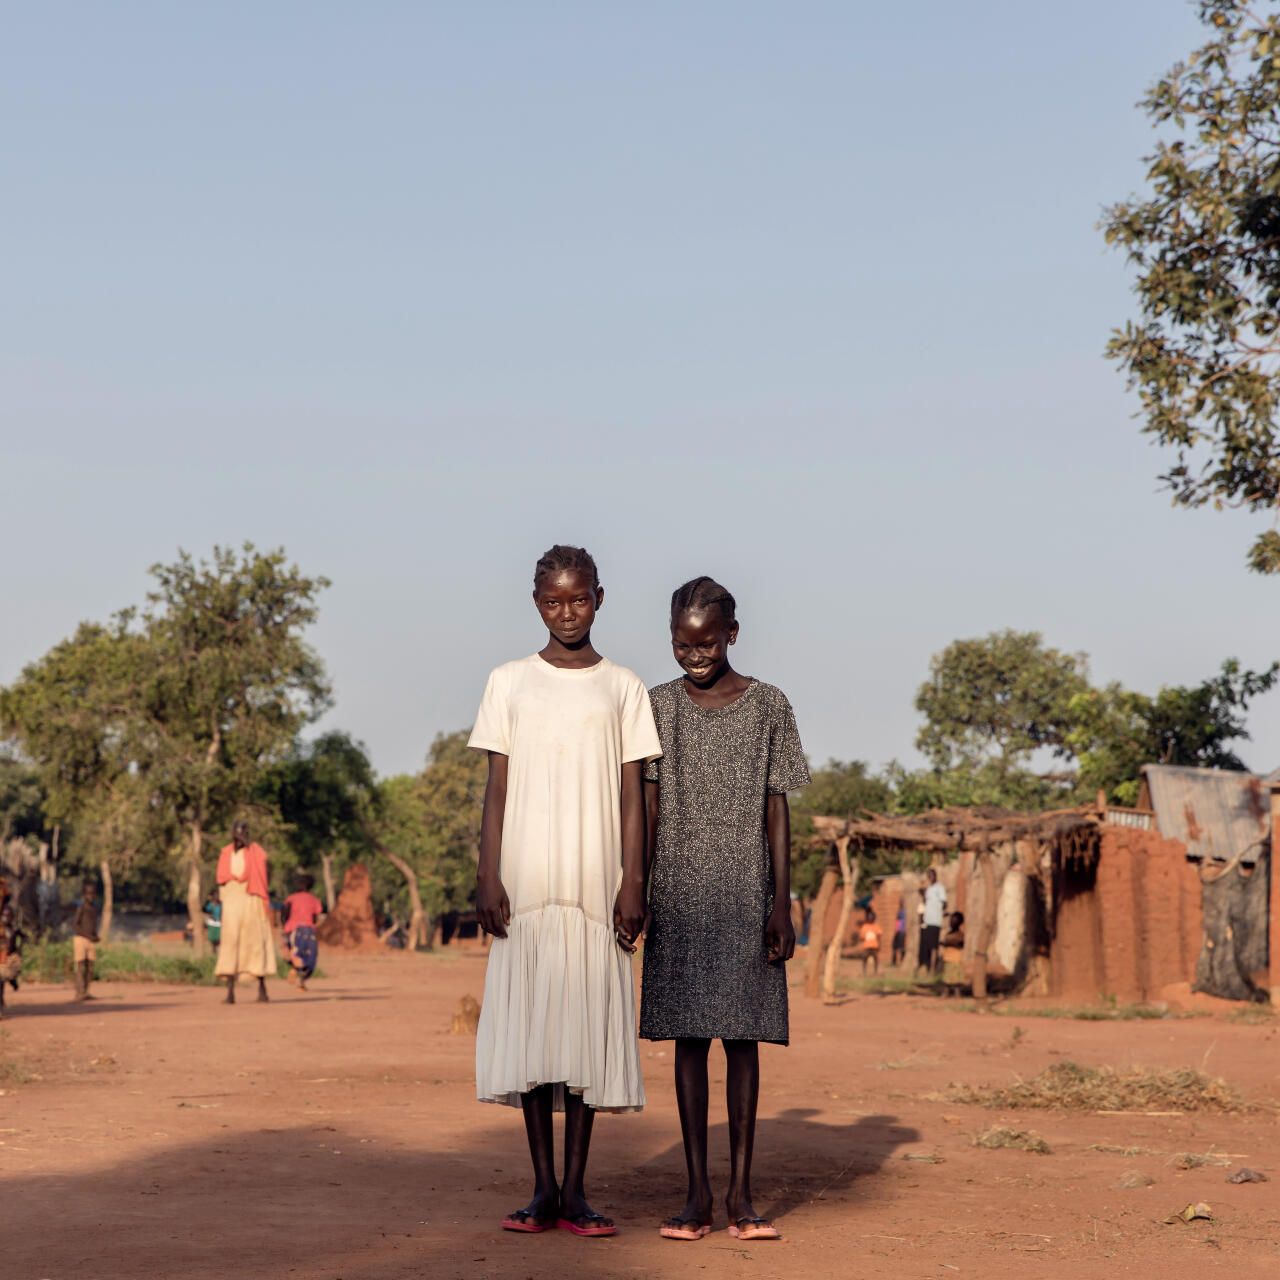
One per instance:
(493, 907)
(779, 934)
(628, 916)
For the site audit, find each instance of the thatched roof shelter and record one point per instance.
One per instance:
(1071, 833)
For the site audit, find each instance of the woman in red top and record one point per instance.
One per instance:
(246, 945)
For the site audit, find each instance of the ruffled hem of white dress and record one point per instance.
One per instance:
(559, 1008)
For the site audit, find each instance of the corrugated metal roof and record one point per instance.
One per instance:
(1217, 813)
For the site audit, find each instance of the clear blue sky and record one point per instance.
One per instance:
(807, 296)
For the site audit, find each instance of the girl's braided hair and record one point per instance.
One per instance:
(560, 559)
(699, 594)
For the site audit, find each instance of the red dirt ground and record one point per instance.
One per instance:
(335, 1136)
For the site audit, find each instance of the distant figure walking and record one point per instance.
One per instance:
(301, 911)
(85, 939)
(246, 945)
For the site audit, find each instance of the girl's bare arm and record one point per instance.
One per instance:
(628, 909)
(493, 907)
(779, 933)
(652, 799)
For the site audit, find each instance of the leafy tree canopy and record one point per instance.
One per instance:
(1116, 731)
(1203, 352)
(991, 703)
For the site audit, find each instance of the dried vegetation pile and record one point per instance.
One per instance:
(1069, 1086)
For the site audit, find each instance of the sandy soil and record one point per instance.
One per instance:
(161, 1134)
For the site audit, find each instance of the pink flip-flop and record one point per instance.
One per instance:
(523, 1220)
(753, 1229)
(605, 1229)
(693, 1230)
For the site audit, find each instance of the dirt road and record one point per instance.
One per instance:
(335, 1136)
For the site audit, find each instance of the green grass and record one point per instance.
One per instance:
(1253, 1015)
(51, 962)
(888, 984)
(1100, 1012)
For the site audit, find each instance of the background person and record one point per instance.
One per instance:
(301, 911)
(246, 945)
(84, 940)
(934, 905)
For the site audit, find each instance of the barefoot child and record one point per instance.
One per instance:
(301, 911)
(560, 887)
(719, 889)
(84, 939)
(869, 934)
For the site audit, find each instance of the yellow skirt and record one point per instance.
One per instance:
(246, 946)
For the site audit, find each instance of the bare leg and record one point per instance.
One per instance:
(578, 1122)
(262, 991)
(742, 1092)
(537, 1126)
(231, 990)
(691, 1097)
(87, 967)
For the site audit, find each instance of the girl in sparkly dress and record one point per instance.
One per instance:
(720, 931)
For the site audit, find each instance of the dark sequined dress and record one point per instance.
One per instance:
(711, 882)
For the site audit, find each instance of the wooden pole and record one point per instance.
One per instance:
(986, 923)
(108, 901)
(817, 929)
(831, 969)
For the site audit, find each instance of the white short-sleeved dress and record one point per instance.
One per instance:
(559, 1002)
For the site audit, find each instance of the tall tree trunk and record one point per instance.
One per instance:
(326, 869)
(986, 924)
(195, 897)
(108, 901)
(817, 928)
(831, 969)
(419, 933)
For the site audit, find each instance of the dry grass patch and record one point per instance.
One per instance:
(1069, 1086)
(1199, 1159)
(998, 1138)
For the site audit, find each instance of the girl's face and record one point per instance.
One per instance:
(568, 601)
(700, 641)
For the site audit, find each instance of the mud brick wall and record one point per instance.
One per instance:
(1132, 927)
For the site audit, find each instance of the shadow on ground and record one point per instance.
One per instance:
(239, 1204)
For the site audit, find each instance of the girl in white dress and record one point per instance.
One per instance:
(560, 887)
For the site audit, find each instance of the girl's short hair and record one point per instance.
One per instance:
(561, 559)
(699, 594)
(306, 880)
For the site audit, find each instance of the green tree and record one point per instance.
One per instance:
(840, 789)
(428, 827)
(1203, 353)
(74, 711)
(915, 790)
(1117, 731)
(229, 685)
(21, 795)
(324, 792)
(990, 704)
